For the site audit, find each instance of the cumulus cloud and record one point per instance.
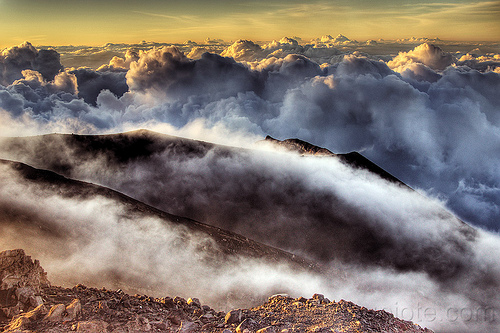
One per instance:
(18, 58)
(428, 119)
(169, 72)
(434, 128)
(91, 83)
(427, 54)
(243, 50)
(339, 40)
(118, 63)
(482, 63)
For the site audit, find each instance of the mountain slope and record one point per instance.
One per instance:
(378, 241)
(73, 224)
(264, 196)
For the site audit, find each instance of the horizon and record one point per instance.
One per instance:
(91, 23)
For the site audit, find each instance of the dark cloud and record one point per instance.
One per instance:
(16, 59)
(91, 83)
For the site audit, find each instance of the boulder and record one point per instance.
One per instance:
(247, 325)
(194, 302)
(56, 313)
(73, 310)
(234, 317)
(18, 270)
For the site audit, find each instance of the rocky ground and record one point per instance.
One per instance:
(28, 303)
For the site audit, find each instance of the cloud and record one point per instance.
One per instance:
(168, 71)
(434, 128)
(243, 50)
(117, 63)
(18, 58)
(91, 83)
(427, 54)
(482, 63)
(99, 241)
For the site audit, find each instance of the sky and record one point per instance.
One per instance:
(58, 22)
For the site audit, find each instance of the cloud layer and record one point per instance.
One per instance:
(427, 116)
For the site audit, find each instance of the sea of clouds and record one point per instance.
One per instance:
(429, 117)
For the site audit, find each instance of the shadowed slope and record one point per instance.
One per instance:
(228, 243)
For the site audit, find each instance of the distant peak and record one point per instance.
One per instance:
(300, 146)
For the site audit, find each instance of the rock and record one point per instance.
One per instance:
(169, 302)
(319, 297)
(21, 321)
(159, 325)
(188, 327)
(234, 317)
(198, 312)
(268, 329)
(18, 270)
(94, 326)
(73, 310)
(247, 325)
(56, 313)
(21, 280)
(140, 324)
(175, 319)
(180, 301)
(207, 316)
(194, 301)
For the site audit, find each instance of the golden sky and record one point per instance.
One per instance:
(91, 22)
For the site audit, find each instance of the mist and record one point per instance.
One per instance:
(96, 240)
